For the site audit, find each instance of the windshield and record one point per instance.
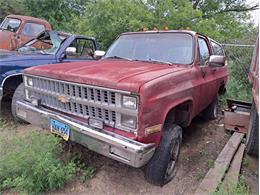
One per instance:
(10, 24)
(170, 48)
(47, 43)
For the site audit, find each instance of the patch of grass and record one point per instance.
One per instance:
(243, 141)
(31, 163)
(199, 176)
(210, 163)
(83, 171)
(245, 162)
(230, 189)
(86, 174)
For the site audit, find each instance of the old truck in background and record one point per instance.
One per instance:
(49, 47)
(132, 104)
(15, 30)
(252, 141)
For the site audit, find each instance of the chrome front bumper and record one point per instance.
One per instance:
(109, 144)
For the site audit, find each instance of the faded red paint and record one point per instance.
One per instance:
(254, 75)
(11, 41)
(160, 87)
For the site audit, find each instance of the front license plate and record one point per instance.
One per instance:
(60, 129)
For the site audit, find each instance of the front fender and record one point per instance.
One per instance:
(9, 74)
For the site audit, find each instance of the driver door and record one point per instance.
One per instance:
(208, 89)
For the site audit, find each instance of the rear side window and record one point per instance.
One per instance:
(32, 29)
(217, 49)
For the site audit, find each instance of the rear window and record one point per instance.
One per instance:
(32, 29)
(217, 49)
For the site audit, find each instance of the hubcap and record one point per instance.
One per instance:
(174, 155)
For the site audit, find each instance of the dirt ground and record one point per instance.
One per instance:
(202, 142)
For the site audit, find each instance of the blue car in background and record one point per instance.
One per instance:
(50, 47)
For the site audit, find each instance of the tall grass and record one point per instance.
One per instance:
(33, 162)
(239, 61)
(233, 189)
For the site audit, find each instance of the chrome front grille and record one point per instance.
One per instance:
(80, 100)
(75, 91)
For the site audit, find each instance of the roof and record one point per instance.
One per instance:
(162, 31)
(27, 18)
(169, 31)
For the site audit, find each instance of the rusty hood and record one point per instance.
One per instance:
(115, 74)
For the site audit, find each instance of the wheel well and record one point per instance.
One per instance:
(180, 114)
(222, 89)
(10, 85)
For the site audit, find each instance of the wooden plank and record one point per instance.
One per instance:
(232, 175)
(215, 175)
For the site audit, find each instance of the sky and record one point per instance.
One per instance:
(255, 14)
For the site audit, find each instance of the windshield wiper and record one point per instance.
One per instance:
(118, 57)
(155, 61)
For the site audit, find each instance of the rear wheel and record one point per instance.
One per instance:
(210, 113)
(162, 166)
(18, 95)
(252, 139)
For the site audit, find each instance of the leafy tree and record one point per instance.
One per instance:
(211, 8)
(222, 20)
(10, 7)
(57, 12)
(107, 19)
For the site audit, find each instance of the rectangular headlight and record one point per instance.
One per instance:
(129, 121)
(28, 81)
(129, 102)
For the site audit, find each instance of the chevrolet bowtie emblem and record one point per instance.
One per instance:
(64, 99)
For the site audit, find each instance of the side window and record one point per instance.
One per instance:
(32, 29)
(203, 51)
(84, 49)
(10, 24)
(217, 49)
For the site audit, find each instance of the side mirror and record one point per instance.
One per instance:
(71, 51)
(99, 54)
(217, 61)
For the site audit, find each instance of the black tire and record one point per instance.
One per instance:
(162, 166)
(252, 139)
(210, 113)
(18, 95)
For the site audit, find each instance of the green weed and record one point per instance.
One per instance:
(210, 163)
(31, 163)
(230, 189)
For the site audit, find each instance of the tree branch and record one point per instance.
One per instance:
(233, 9)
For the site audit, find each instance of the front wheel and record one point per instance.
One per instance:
(162, 166)
(18, 94)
